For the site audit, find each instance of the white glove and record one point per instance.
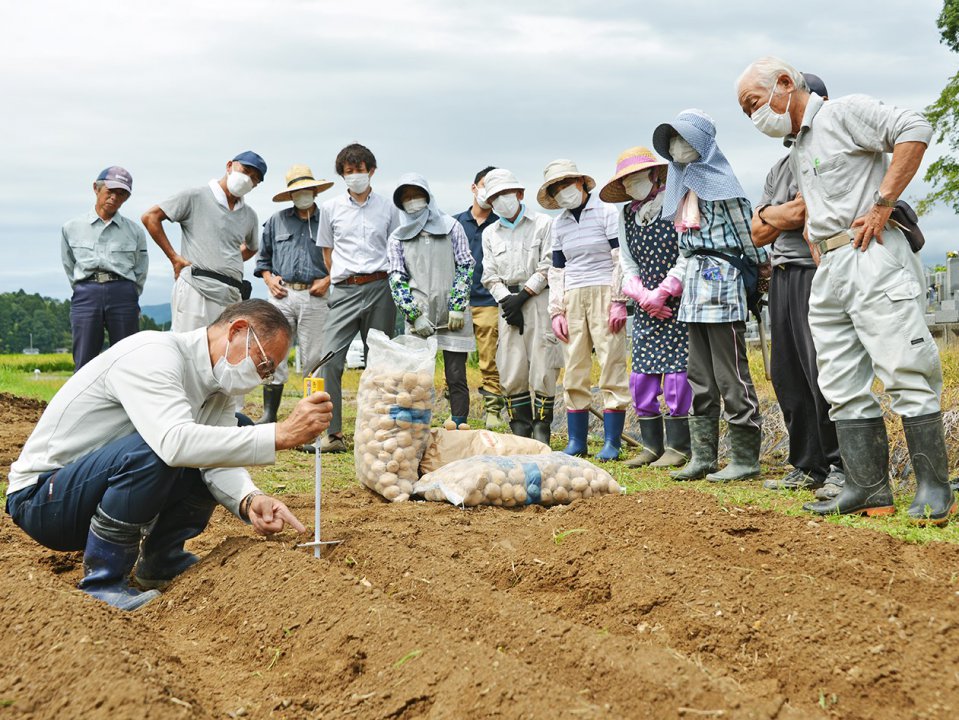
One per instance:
(457, 320)
(423, 327)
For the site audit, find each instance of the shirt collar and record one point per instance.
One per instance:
(352, 200)
(220, 196)
(291, 211)
(813, 106)
(518, 220)
(93, 217)
(592, 202)
(198, 353)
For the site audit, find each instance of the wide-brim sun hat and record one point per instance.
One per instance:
(694, 125)
(629, 162)
(300, 177)
(499, 181)
(555, 172)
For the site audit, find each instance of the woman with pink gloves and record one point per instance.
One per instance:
(586, 303)
(652, 270)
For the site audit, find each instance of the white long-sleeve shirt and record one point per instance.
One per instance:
(160, 385)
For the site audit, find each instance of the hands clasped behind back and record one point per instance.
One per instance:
(310, 417)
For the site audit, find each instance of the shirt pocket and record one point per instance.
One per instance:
(833, 177)
(84, 250)
(283, 238)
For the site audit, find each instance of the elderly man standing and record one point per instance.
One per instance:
(866, 304)
(219, 234)
(295, 275)
(105, 258)
(142, 443)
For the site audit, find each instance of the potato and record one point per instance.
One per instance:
(517, 475)
(449, 425)
(579, 484)
(598, 485)
(387, 423)
(545, 497)
(587, 493)
(565, 482)
(368, 459)
(404, 399)
(492, 491)
(390, 445)
(425, 379)
(561, 495)
(575, 496)
(464, 426)
(392, 466)
(549, 484)
(519, 494)
(613, 487)
(381, 435)
(391, 493)
(405, 486)
(589, 474)
(497, 476)
(420, 394)
(388, 479)
(410, 380)
(377, 467)
(506, 492)
(473, 499)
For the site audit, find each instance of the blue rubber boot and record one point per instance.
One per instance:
(613, 421)
(163, 556)
(578, 423)
(112, 549)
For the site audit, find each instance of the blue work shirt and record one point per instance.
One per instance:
(288, 247)
(118, 246)
(479, 295)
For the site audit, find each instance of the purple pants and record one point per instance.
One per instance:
(674, 388)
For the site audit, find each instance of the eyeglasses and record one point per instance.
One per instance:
(266, 367)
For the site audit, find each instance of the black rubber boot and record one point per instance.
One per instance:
(111, 551)
(935, 500)
(651, 432)
(677, 442)
(704, 447)
(864, 447)
(520, 409)
(744, 444)
(542, 418)
(272, 397)
(162, 556)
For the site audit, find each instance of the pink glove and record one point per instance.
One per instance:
(617, 316)
(655, 305)
(672, 285)
(561, 328)
(635, 289)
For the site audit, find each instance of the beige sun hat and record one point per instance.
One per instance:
(300, 177)
(629, 162)
(556, 171)
(500, 180)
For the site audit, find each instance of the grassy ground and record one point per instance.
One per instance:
(294, 471)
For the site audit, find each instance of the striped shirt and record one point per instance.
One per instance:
(712, 289)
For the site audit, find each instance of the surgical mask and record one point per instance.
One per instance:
(481, 199)
(771, 123)
(238, 183)
(638, 186)
(414, 206)
(241, 378)
(569, 197)
(357, 182)
(302, 199)
(506, 205)
(681, 151)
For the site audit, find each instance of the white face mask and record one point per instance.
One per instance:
(681, 151)
(241, 378)
(481, 198)
(506, 205)
(302, 199)
(638, 186)
(771, 123)
(357, 182)
(238, 183)
(414, 206)
(569, 197)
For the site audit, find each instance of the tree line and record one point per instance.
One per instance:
(47, 319)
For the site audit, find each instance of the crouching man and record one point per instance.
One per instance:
(141, 444)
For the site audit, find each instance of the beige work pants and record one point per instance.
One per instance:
(486, 332)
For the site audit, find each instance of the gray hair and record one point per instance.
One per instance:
(766, 71)
(266, 320)
(98, 185)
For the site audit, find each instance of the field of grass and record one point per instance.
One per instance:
(294, 471)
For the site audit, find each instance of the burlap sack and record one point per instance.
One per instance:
(446, 446)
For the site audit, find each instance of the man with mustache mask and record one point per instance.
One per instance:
(219, 233)
(516, 255)
(295, 275)
(354, 229)
(132, 455)
(866, 304)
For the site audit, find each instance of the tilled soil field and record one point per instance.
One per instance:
(651, 605)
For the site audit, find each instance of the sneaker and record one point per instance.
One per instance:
(833, 484)
(332, 444)
(796, 479)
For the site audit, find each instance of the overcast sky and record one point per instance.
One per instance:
(172, 90)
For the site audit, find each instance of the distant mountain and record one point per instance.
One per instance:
(160, 314)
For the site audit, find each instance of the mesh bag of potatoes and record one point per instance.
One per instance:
(448, 446)
(515, 480)
(394, 406)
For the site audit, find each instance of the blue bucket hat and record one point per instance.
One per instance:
(251, 159)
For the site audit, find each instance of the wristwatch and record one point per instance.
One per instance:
(883, 202)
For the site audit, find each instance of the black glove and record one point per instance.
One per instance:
(513, 303)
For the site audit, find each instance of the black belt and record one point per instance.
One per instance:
(225, 279)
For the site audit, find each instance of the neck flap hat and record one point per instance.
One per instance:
(430, 219)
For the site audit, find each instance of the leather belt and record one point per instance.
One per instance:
(102, 276)
(219, 277)
(298, 286)
(363, 279)
(834, 242)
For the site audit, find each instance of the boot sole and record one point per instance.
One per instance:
(867, 512)
(935, 522)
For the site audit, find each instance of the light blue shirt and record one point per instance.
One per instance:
(357, 234)
(118, 246)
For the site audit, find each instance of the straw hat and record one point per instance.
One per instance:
(300, 177)
(629, 161)
(498, 181)
(554, 172)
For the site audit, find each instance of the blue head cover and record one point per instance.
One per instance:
(711, 177)
(431, 219)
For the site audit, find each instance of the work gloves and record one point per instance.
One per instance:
(512, 306)
(423, 327)
(456, 321)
